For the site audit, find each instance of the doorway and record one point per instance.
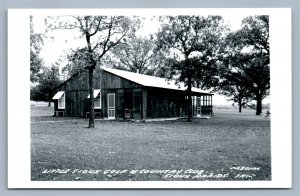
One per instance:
(111, 106)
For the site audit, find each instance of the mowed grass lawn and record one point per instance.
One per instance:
(215, 145)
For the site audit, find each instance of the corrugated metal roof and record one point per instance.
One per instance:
(96, 93)
(151, 81)
(58, 95)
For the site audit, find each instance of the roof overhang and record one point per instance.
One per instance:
(196, 91)
(154, 82)
(96, 93)
(58, 95)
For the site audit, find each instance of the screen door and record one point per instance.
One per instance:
(198, 106)
(111, 105)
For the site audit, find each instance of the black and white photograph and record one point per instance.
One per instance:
(153, 96)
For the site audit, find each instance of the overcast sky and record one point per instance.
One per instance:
(64, 40)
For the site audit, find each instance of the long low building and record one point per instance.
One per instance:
(122, 94)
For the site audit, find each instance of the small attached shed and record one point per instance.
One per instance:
(122, 94)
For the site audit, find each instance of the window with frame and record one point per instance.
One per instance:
(97, 101)
(62, 101)
(97, 98)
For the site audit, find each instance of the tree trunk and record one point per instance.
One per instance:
(189, 89)
(189, 106)
(49, 103)
(240, 105)
(91, 103)
(258, 106)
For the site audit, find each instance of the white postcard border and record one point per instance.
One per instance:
(19, 107)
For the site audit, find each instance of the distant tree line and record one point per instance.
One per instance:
(43, 79)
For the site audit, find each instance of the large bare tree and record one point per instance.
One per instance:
(101, 34)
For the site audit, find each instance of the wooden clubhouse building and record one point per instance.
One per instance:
(121, 94)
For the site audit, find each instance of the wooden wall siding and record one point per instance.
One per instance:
(144, 103)
(120, 103)
(76, 98)
(55, 106)
(111, 81)
(160, 92)
(77, 83)
(77, 103)
(77, 90)
(137, 104)
(104, 102)
(81, 82)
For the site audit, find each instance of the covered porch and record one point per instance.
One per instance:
(202, 105)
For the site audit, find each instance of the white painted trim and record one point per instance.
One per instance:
(64, 97)
(111, 108)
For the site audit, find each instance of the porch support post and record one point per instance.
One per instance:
(144, 103)
(211, 105)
